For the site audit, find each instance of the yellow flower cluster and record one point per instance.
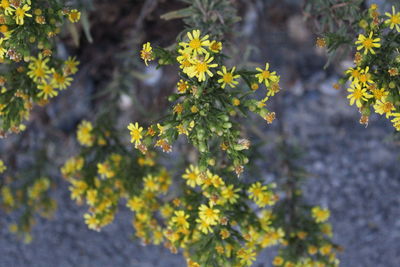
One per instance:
(374, 78)
(26, 200)
(314, 246)
(88, 136)
(48, 80)
(32, 58)
(204, 108)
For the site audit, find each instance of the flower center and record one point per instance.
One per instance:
(195, 44)
(228, 77)
(395, 19)
(266, 74)
(47, 89)
(357, 94)
(135, 134)
(368, 43)
(202, 67)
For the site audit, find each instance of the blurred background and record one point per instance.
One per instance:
(353, 169)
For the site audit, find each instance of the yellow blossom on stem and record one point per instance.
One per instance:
(384, 107)
(146, 53)
(319, 214)
(192, 176)
(394, 19)
(182, 86)
(150, 183)
(368, 43)
(215, 46)
(196, 43)
(91, 221)
(228, 78)
(209, 214)
(135, 132)
(229, 194)
(84, 134)
(201, 67)
(180, 219)
(135, 203)
(204, 226)
(74, 15)
(20, 13)
(266, 76)
(357, 94)
(278, 261)
(246, 256)
(46, 91)
(379, 94)
(104, 170)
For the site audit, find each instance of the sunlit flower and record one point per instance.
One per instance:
(228, 78)
(368, 43)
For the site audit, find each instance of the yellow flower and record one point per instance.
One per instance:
(229, 194)
(184, 59)
(77, 189)
(201, 67)
(204, 226)
(146, 53)
(228, 77)
(278, 261)
(91, 221)
(182, 86)
(136, 133)
(7, 196)
(365, 77)
(192, 176)
(215, 46)
(70, 66)
(384, 107)
(71, 166)
(38, 69)
(354, 74)
(246, 256)
(266, 76)
(46, 91)
(135, 203)
(91, 197)
(5, 4)
(379, 94)
(256, 190)
(60, 81)
(2, 166)
(74, 15)
(20, 13)
(319, 214)
(84, 134)
(196, 43)
(150, 183)
(312, 250)
(224, 233)
(209, 214)
(357, 94)
(104, 170)
(368, 43)
(180, 219)
(325, 249)
(394, 19)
